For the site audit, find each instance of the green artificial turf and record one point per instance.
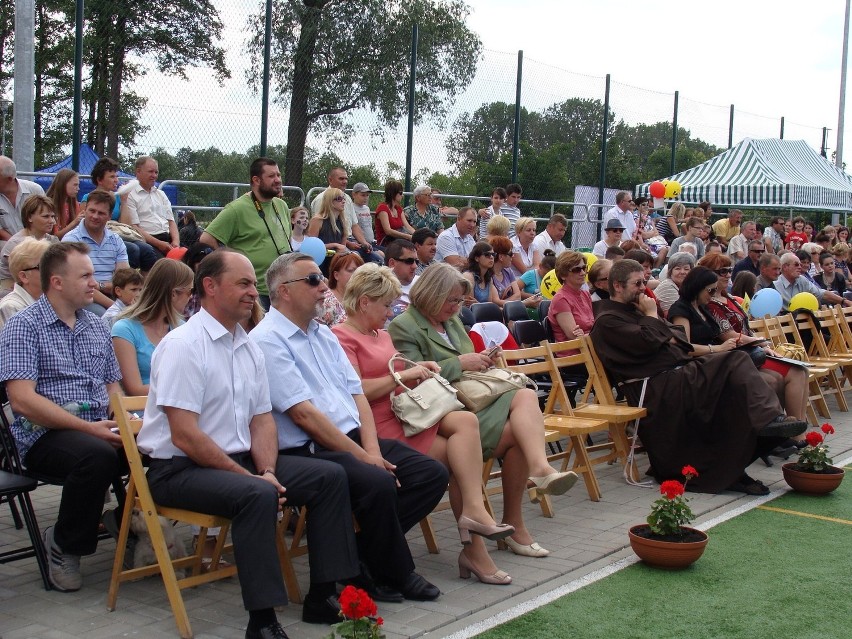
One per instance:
(764, 575)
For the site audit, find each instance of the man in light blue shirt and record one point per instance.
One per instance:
(792, 282)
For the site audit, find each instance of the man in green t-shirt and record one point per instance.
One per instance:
(256, 224)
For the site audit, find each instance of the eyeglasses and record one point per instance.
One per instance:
(509, 254)
(577, 269)
(32, 268)
(724, 271)
(407, 260)
(339, 198)
(455, 301)
(313, 280)
(638, 283)
(602, 279)
(757, 250)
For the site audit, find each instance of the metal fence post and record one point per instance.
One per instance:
(76, 124)
(674, 134)
(516, 140)
(412, 80)
(602, 181)
(781, 136)
(267, 52)
(731, 129)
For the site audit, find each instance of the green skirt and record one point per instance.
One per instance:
(492, 421)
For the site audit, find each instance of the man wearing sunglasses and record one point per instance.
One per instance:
(708, 406)
(751, 262)
(401, 256)
(320, 410)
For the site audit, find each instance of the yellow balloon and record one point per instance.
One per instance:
(550, 285)
(804, 300)
(591, 258)
(672, 190)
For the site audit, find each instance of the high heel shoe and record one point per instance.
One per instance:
(526, 550)
(499, 578)
(554, 483)
(497, 531)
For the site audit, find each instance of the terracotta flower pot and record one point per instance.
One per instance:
(671, 555)
(811, 483)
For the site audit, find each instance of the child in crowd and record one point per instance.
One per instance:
(126, 285)
(531, 279)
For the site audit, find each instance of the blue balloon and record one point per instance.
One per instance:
(767, 301)
(314, 247)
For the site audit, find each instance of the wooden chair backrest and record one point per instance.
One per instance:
(843, 315)
(598, 380)
(557, 359)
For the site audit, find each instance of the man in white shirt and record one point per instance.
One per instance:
(147, 209)
(738, 246)
(456, 243)
(623, 212)
(214, 449)
(13, 194)
(551, 236)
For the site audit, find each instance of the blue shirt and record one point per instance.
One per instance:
(105, 255)
(132, 331)
(531, 280)
(68, 365)
(310, 367)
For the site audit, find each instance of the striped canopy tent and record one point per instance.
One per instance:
(767, 174)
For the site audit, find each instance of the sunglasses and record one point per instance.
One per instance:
(32, 268)
(577, 269)
(407, 260)
(758, 250)
(509, 254)
(724, 271)
(488, 254)
(339, 198)
(313, 280)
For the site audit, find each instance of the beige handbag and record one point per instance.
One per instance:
(790, 351)
(422, 407)
(125, 231)
(478, 390)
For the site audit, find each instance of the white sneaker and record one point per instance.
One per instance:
(64, 569)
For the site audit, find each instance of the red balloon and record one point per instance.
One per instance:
(657, 189)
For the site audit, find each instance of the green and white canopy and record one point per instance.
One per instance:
(779, 174)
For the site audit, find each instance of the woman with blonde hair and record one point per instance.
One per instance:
(454, 441)
(139, 328)
(330, 223)
(840, 251)
(526, 255)
(669, 225)
(511, 428)
(497, 226)
(24, 265)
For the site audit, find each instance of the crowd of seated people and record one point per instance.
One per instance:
(687, 324)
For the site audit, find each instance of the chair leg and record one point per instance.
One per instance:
(429, 535)
(294, 593)
(583, 465)
(16, 516)
(818, 398)
(167, 572)
(35, 537)
(121, 546)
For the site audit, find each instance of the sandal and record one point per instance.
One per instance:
(749, 486)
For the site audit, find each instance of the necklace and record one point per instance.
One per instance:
(370, 333)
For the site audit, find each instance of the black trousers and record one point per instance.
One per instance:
(384, 512)
(86, 466)
(252, 505)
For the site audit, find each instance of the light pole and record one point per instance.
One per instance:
(4, 104)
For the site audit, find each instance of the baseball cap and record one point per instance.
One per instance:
(360, 187)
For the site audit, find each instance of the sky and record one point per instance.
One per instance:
(768, 58)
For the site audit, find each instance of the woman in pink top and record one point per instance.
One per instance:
(570, 312)
(454, 440)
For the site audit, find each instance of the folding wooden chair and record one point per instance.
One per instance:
(833, 350)
(139, 495)
(771, 328)
(559, 421)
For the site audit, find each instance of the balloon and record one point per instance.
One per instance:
(672, 189)
(657, 189)
(550, 285)
(767, 301)
(591, 258)
(804, 300)
(314, 247)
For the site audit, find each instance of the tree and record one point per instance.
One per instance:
(342, 56)
(486, 134)
(177, 35)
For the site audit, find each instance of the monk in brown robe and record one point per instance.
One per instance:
(709, 408)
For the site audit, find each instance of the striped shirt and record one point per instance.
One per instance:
(105, 255)
(67, 364)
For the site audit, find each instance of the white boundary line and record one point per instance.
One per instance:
(566, 589)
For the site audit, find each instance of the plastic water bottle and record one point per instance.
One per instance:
(75, 408)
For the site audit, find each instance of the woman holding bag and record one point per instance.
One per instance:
(454, 440)
(512, 428)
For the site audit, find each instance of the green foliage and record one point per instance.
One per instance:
(348, 55)
(668, 515)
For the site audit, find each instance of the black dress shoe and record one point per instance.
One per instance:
(416, 588)
(783, 426)
(321, 610)
(377, 592)
(272, 631)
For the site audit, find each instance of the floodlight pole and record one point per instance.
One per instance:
(838, 157)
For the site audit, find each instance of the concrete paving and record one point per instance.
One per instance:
(582, 536)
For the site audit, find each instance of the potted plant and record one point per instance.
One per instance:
(360, 616)
(813, 473)
(665, 541)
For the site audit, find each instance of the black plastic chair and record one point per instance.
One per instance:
(548, 329)
(15, 485)
(486, 312)
(528, 333)
(466, 317)
(514, 311)
(543, 307)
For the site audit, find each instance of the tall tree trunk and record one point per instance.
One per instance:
(297, 128)
(115, 78)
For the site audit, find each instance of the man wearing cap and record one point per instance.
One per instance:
(360, 199)
(106, 249)
(338, 178)
(623, 212)
(613, 232)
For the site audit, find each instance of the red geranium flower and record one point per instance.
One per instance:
(813, 438)
(828, 429)
(355, 603)
(689, 471)
(671, 488)
(380, 621)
